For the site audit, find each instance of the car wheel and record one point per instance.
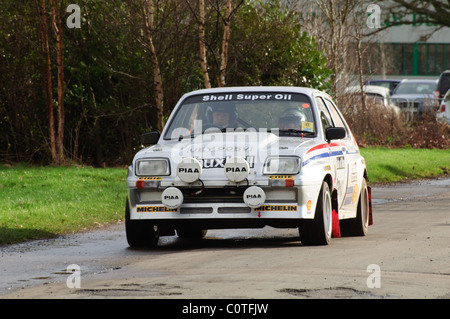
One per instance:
(318, 230)
(140, 233)
(358, 226)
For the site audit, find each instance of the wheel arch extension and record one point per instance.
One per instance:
(329, 179)
(365, 175)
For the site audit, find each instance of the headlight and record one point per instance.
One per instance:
(153, 167)
(282, 165)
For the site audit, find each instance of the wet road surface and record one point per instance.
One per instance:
(409, 242)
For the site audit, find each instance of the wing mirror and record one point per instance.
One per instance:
(335, 133)
(150, 138)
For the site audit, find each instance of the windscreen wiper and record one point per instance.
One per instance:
(293, 131)
(215, 129)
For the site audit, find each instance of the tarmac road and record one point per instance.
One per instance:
(406, 254)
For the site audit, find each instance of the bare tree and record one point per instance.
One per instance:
(222, 62)
(433, 11)
(359, 53)
(202, 45)
(148, 9)
(229, 11)
(337, 16)
(225, 41)
(47, 76)
(56, 137)
(57, 28)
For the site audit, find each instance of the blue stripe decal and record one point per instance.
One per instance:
(323, 155)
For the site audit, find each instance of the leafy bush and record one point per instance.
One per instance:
(377, 126)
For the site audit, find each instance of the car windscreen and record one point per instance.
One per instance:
(416, 88)
(287, 113)
(444, 83)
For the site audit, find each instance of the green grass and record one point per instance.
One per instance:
(42, 202)
(394, 165)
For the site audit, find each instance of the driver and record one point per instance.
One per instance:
(291, 119)
(221, 115)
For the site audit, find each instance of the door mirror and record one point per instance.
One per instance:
(335, 133)
(150, 138)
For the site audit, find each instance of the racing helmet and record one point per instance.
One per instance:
(291, 116)
(221, 108)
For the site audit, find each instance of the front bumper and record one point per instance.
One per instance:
(220, 204)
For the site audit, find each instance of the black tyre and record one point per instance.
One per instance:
(317, 231)
(358, 226)
(140, 233)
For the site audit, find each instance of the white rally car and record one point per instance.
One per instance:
(249, 157)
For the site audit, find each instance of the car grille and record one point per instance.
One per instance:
(423, 104)
(222, 196)
(404, 105)
(220, 210)
(213, 195)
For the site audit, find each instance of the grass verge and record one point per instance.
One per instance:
(395, 165)
(43, 202)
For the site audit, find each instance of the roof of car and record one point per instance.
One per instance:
(368, 89)
(383, 80)
(419, 81)
(293, 89)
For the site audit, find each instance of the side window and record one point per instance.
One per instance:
(324, 114)
(337, 118)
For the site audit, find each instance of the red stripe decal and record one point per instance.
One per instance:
(321, 146)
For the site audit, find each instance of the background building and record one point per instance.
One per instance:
(412, 49)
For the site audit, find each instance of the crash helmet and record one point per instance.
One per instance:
(291, 116)
(221, 108)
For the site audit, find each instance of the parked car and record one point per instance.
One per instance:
(416, 96)
(378, 94)
(443, 84)
(443, 113)
(249, 157)
(387, 83)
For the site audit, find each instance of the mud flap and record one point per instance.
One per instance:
(369, 191)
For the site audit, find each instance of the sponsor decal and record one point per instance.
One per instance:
(355, 194)
(271, 208)
(352, 195)
(340, 162)
(220, 162)
(250, 196)
(280, 176)
(308, 126)
(236, 169)
(188, 170)
(154, 209)
(246, 97)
